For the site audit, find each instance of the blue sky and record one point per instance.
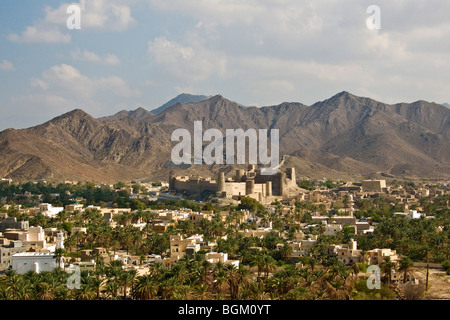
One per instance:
(142, 53)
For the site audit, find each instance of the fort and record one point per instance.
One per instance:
(245, 183)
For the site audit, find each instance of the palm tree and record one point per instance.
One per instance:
(405, 264)
(258, 262)
(145, 288)
(44, 291)
(59, 254)
(180, 271)
(126, 280)
(14, 283)
(233, 281)
(387, 267)
(312, 263)
(169, 288)
(205, 266)
(286, 250)
(97, 283)
(220, 278)
(70, 243)
(269, 264)
(78, 236)
(86, 292)
(111, 288)
(201, 291)
(114, 269)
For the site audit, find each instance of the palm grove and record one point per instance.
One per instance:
(265, 270)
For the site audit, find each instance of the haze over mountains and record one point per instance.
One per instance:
(345, 137)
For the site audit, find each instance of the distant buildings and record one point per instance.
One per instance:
(349, 254)
(249, 183)
(7, 250)
(216, 257)
(48, 210)
(12, 223)
(412, 214)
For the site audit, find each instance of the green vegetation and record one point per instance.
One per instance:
(307, 184)
(266, 270)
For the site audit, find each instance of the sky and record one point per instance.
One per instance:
(142, 53)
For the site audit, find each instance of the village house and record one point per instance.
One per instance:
(377, 256)
(347, 253)
(7, 250)
(48, 210)
(34, 236)
(197, 217)
(216, 257)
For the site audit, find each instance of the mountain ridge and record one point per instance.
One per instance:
(343, 136)
(183, 99)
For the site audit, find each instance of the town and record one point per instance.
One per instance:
(244, 236)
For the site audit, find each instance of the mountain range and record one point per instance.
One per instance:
(343, 137)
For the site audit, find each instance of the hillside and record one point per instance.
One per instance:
(345, 137)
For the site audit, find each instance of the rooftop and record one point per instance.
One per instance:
(34, 254)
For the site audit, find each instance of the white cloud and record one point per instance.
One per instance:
(186, 62)
(111, 15)
(95, 15)
(275, 50)
(40, 34)
(65, 80)
(109, 59)
(6, 65)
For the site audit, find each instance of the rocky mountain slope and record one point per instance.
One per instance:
(345, 137)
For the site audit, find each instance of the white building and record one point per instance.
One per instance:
(412, 214)
(34, 261)
(48, 210)
(216, 257)
(331, 229)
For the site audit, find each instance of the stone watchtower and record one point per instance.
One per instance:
(221, 182)
(60, 240)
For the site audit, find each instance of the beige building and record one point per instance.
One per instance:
(73, 207)
(32, 236)
(161, 227)
(179, 245)
(331, 229)
(307, 244)
(245, 183)
(258, 233)
(374, 185)
(197, 217)
(377, 256)
(347, 253)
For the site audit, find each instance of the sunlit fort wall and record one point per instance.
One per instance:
(248, 183)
